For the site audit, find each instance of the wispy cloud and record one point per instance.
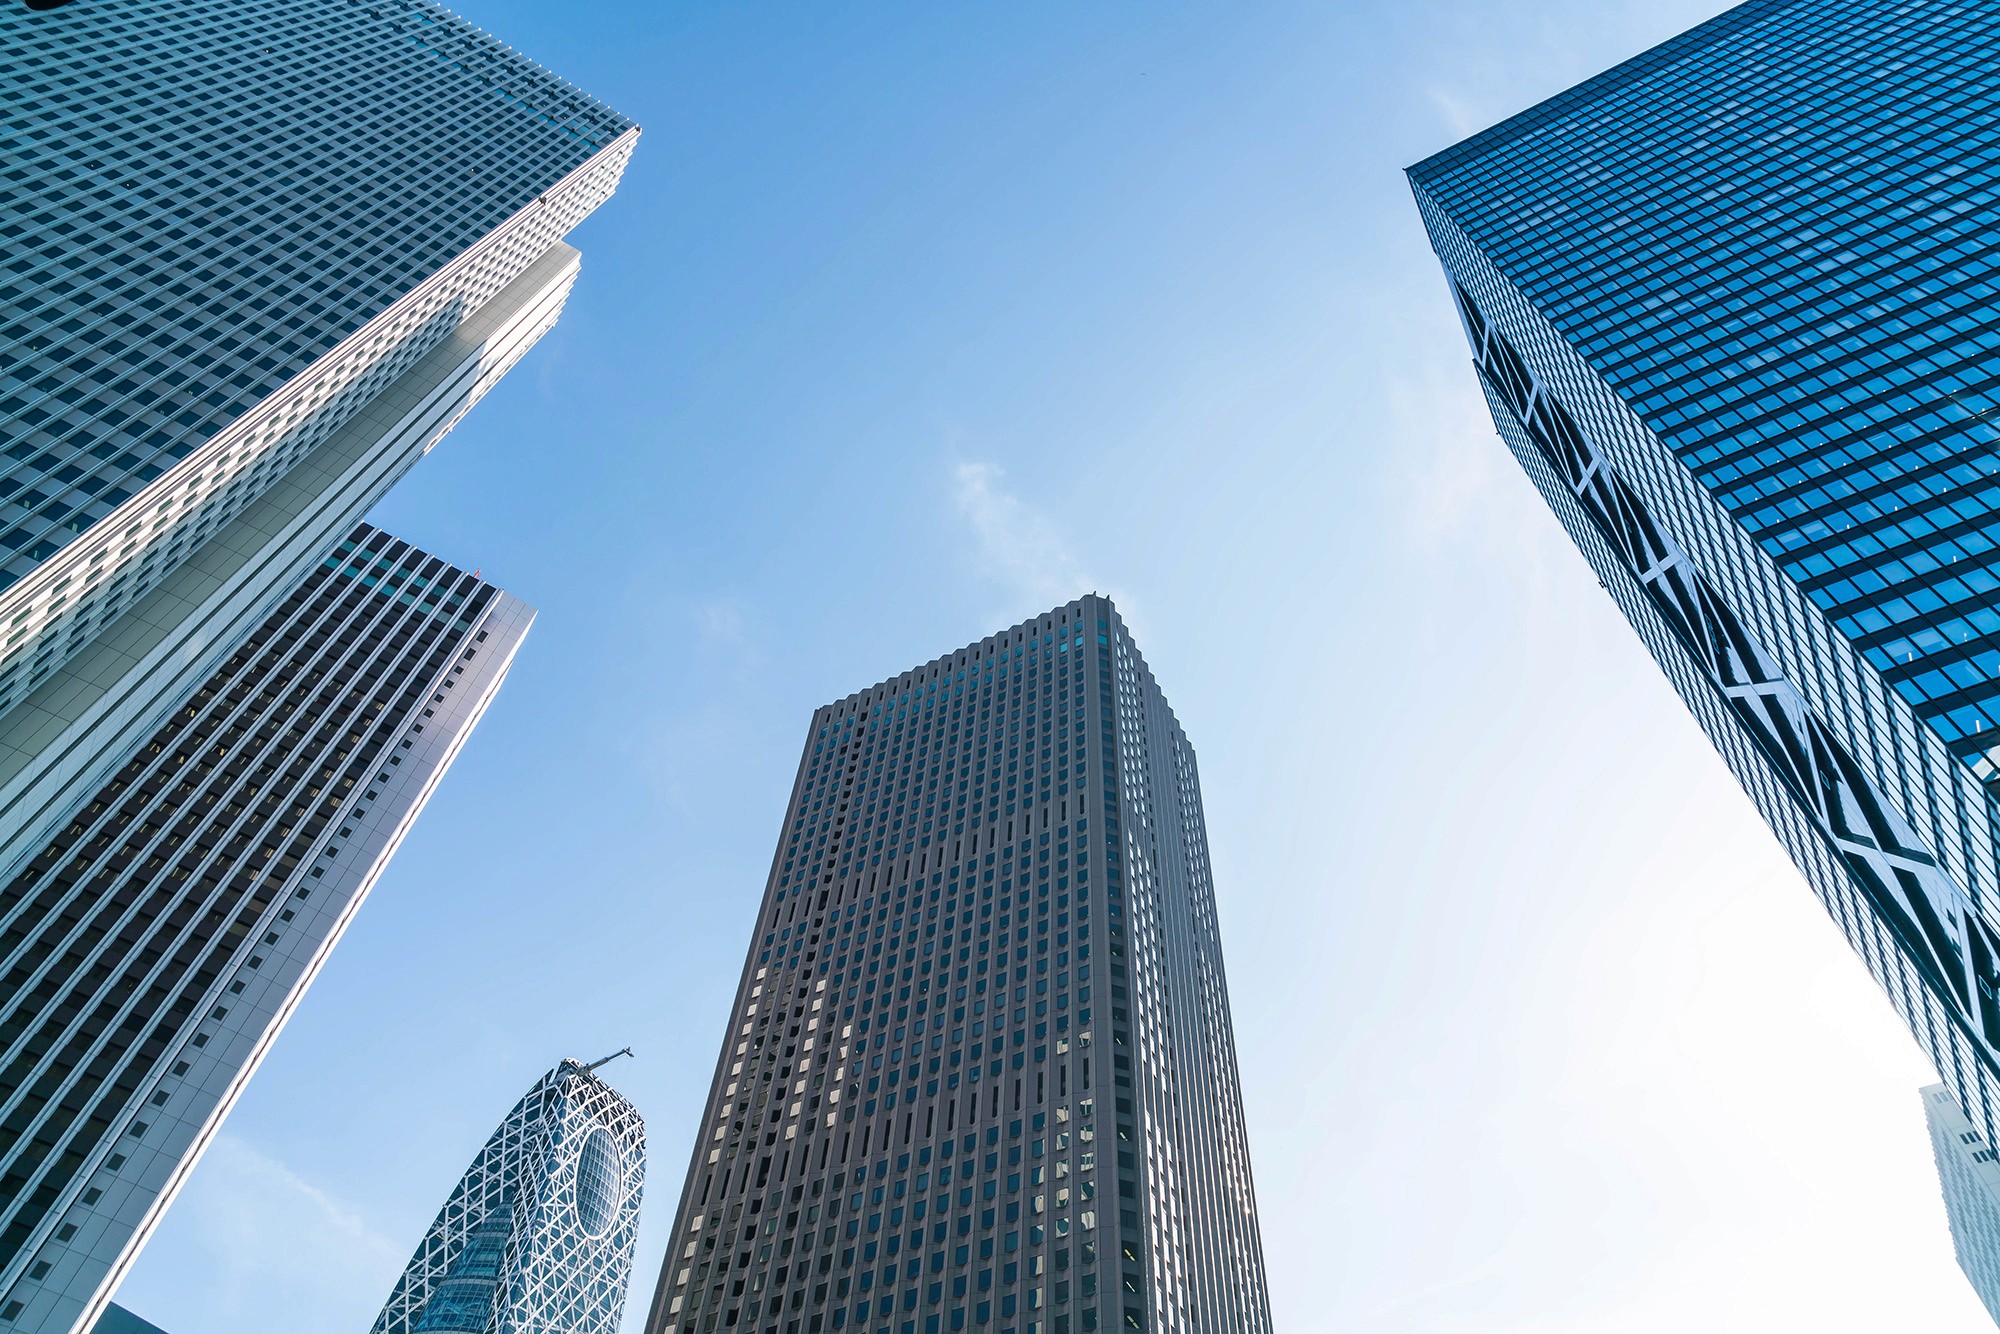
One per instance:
(1461, 487)
(1018, 546)
(260, 1228)
(707, 649)
(1452, 111)
(722, 629)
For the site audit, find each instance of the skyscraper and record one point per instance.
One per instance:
(155, 946)
(1970, 1178)
(1731, 305)
(980, 1073)
(538, 1233)
(117, 1320)
(259, 260)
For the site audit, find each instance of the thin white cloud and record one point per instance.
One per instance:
(1018, 546)
(251, 1227)
(1461, 488)
(1457, 118)
(722, 628)
(709, 647)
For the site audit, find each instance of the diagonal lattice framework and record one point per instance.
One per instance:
(538, 1234)
(1935, 923)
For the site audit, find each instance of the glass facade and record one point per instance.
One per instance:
(1732, 307)
(118, 1320)
(153, 947)
(221, 245)
(539, 1232)
(255, 260)
(1814, 333)
(980, 1072)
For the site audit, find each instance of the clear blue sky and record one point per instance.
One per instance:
(911, 320)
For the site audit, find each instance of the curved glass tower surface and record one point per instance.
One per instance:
(538, 1235)
(1732, 305)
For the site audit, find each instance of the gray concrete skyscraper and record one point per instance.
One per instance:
(1731, 304)
(258, 259)
(980, 1073)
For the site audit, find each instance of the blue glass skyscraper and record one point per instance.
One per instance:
(1733, 307)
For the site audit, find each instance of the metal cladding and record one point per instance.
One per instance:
(157, 944)
(260, 258)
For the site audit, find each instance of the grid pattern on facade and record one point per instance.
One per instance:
(1197, 1210)
(117, 690)
(1772, 237)
(1934, 925)
(1651, 577)
(1969, 1177)
(222, 244)
(1942, 1034)
(120, 936)
(1711, 592)
(539, 1232)
(920, 1076)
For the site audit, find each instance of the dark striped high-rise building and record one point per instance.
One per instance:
(259, 258)
(157, 943)
(980, 1073)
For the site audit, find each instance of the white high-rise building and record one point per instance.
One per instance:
(157, 943)
(259, 258)
(1969, 1175)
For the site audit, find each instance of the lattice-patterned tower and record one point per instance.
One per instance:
(980, 1072)
(538, 1234)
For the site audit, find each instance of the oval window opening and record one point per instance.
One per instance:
(600, 1183)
